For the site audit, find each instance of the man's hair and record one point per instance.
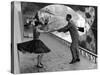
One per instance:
(69, 16)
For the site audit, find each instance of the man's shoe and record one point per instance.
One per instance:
(78, 60)
(74, 61)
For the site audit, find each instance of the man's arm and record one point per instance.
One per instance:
(64, 29)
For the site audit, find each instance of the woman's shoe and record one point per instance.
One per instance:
(40, 65)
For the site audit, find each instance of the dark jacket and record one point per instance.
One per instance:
(71, 27)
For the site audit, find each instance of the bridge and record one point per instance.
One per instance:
(59, 57)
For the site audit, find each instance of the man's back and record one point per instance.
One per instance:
(73, 32)
(71, 27)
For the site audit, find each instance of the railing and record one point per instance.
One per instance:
(84, 52)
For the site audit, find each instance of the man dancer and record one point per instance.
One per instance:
(71, 27)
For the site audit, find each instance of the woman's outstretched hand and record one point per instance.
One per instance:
(39, 30)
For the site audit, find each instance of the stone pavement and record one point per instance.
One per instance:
(57, 60)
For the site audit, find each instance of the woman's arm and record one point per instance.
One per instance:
(38, 29)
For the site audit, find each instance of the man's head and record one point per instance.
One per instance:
(68, 17)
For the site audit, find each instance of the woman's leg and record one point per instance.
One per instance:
(41, 57)
(39, 61)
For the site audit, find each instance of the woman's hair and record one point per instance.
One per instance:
(36, 16)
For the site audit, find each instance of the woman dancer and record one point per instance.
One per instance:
(35, 46)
